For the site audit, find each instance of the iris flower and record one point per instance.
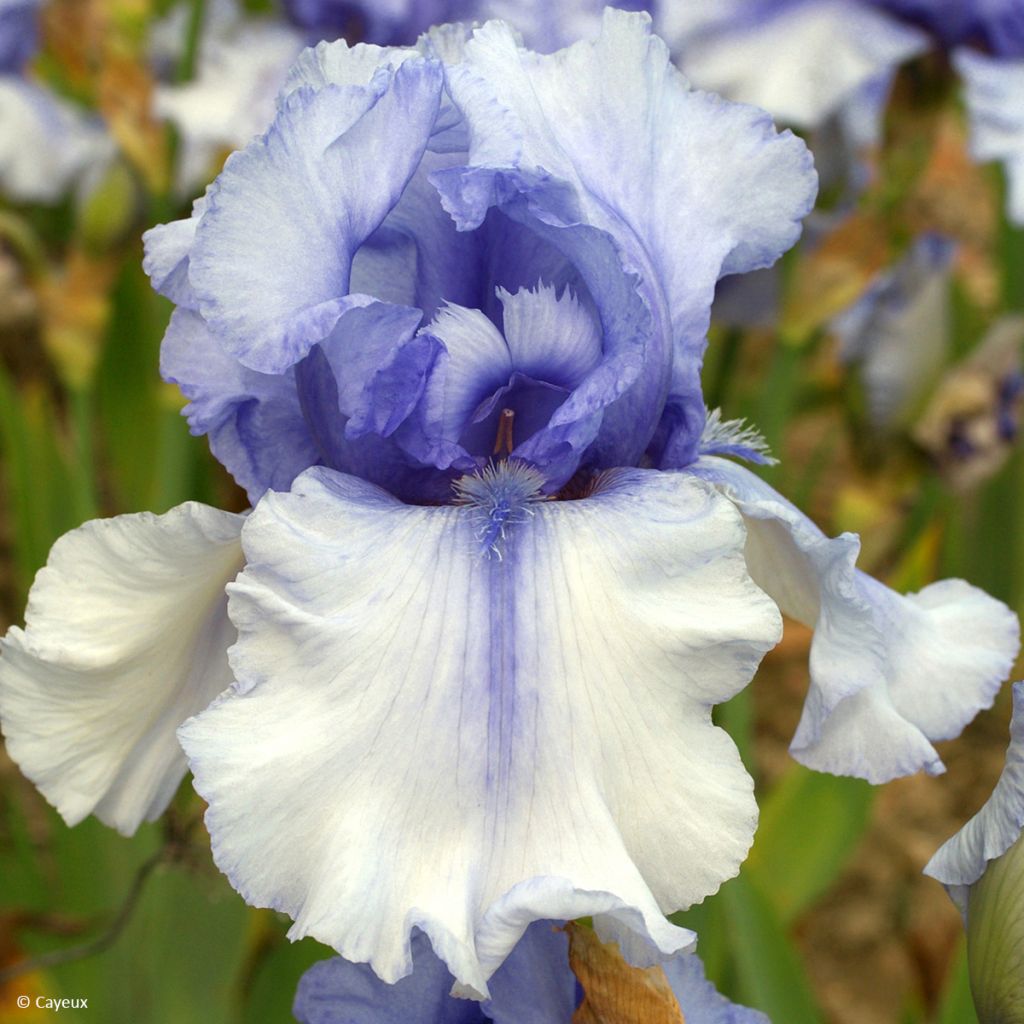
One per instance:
(812, 61)
(900, 332)
(18, 33)
(47, 146)
(444, 322)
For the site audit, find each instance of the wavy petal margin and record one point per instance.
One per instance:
(428, 734)
(890, 673)
(126, 636)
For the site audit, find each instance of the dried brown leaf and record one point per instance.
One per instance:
(615, 992)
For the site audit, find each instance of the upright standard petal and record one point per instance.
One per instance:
(254, 420)
(639, 155)
(962, 860)
(889, 673)
(168, 248)
(125, 637)
(272, 257)
(425, 733)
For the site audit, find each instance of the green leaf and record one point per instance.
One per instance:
(810, 825)
(273, 970)
(769, 975)
(41, 494)
(957, 1006)
(128, 389)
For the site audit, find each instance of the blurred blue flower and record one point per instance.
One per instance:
(241, 64)
(972, 420)
(444, 322)
(544, 26)
(19, 33)
(811, 62)
(899, 332)
(993, 90)
(47, 145)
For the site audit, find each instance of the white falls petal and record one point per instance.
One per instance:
(126, 636)
(425, 734)
(890, 673)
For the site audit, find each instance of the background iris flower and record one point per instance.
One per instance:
(47, 146)
(809, 61)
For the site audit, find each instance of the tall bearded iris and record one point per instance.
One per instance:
(444, 322)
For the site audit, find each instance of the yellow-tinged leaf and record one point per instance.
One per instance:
(615, 992)
(100, 47)
(953, 195)
(75, 311)
(836, 273)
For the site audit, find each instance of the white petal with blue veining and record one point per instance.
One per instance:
(126, 636)
(889, 673)
(427, 735)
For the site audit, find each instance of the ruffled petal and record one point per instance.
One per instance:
(126, 636)
(689, 186)
(168, 247)
(337, 63)
(962, 860)
(993, 91)
(547, 26)
(426, 734)
(254, 420)
(889, 673)
(231, 99)
(799, 61)
(272, 257)
(533, 986)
